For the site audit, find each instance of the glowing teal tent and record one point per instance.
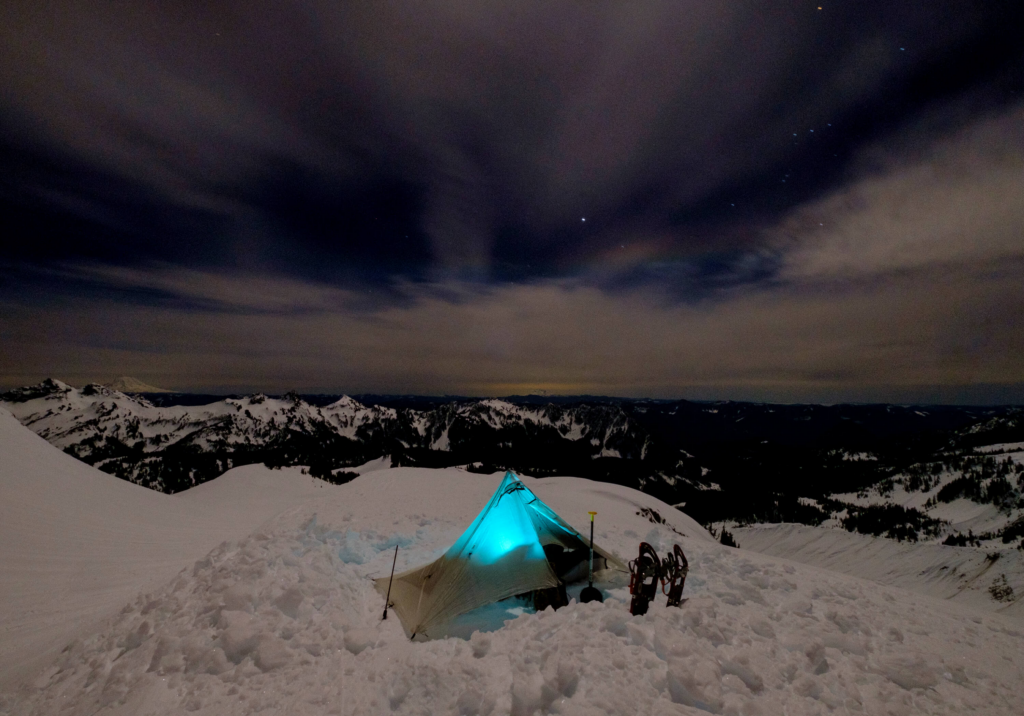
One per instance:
(516, 545)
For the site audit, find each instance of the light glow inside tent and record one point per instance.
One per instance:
(503, 528)
(507, 529)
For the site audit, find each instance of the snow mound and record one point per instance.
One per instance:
(78, 543)
(283, 618)
(284, 622)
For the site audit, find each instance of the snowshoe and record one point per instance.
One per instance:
(674, 569)
(644, 573)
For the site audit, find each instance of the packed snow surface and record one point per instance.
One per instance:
(282, 616)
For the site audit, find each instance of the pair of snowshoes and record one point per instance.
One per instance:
(647, 570)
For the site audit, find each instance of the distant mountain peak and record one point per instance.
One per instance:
(125, 384)
(346, 402)
(50, 386)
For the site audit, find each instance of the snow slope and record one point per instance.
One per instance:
(78, 544)
(978, 515)
(285, 619)
(964, 575)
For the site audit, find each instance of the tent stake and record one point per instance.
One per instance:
(387, 599)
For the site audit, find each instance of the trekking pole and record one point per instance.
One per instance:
(589, 594)
(590, 574)
(387, 599)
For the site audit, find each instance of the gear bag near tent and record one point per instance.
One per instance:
(515, 546)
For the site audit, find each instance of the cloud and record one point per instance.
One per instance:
(904, 285)
(958, 202)
(340, 196)
(223, 292)
(500, 124)
(771, 344)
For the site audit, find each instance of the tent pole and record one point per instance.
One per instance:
(395, 561)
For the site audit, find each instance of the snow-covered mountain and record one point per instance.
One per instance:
(124, 384)
(282, 617)
(901, 472)
(173, 448)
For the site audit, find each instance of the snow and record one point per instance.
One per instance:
(441, 443)
(962, 575)
(961, 515)
(90, 417)
(125, 384)
(78, 542)
(381, 463)
(281, 615)
(574, 431)
(1001, 448)
(68, 415)
(965, 515)
(858, 456)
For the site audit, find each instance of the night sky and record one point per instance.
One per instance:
(788, 201)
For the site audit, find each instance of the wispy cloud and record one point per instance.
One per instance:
(780, 343)
(958, 202)
(219, 291)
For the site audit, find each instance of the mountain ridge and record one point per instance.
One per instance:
(726, 461)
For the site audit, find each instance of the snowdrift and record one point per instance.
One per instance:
(283, 618)
(77, 544)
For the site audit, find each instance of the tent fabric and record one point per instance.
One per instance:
(516, 544)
